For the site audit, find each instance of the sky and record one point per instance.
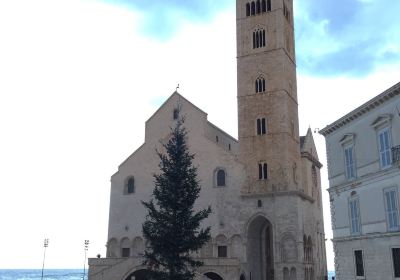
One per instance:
(79, 78)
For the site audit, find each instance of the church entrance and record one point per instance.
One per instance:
(138, 275)
(213, 276)
(260, 255)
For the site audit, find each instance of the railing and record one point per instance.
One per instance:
(396, 154)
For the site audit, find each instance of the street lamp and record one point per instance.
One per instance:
(84, 262)
(45, 245)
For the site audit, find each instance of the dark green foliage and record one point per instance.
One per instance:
(172, 227)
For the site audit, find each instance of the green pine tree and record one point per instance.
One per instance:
(172, 226)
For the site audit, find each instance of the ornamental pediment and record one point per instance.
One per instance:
(347, 138)
(382, 120)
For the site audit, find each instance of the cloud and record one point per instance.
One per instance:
(351, 38)
(161, 19)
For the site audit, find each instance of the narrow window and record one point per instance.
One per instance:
(349, 162)
(263, 38)
(384, 148)
(254, 40)
(265, 171)
(131, 185)
(263, 85)
(260, 171)
(258, 6)
(229, 146)
(258, 126)
(260, 85)
(257, 89)
(355, 227)
(259, 203)
(264, 6)
(263, 126)
(253, 8)
(257, 40)
(268, 5)
(216, 139)
(391, 210)
(222, 251)
(248, 9)
(220, 178)
(358, 256)
(396, 261)
(176, 114)
(126, 252)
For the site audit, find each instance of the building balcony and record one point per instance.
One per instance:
(396, 154)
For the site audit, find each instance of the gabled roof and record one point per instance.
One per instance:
(176, 93)
(308, 149)
(363, 109)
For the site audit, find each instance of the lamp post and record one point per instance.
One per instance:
(84, 262)
(45, 245)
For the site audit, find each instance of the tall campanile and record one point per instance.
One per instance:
(284, 232)
(267, 98)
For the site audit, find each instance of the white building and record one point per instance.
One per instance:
(264, 189)
(363, 151)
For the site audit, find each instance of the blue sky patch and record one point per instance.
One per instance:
(162, 18)
(332, 37)
(346, 38)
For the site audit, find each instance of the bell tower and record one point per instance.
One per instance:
(267, 97)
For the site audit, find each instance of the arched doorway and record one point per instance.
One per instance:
(138, 275)
(260, 249)
(213, 276)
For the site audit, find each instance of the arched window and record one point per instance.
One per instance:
(264, 6)
(131, 185)
(176, 114)
(125, 248)
(221, 178)
(253, 8)
(268, 5)
(222, 246)
(263, 38)
(261, 126)
(259, 38)
(262, 171)
(258, 6)
(248, 9)
(260, 85)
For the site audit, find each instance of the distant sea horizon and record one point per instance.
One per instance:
(56, 274)
(36, 274)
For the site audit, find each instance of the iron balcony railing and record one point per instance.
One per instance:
(396, 154)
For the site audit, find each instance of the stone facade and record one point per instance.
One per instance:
(267, 220)
(363, 150)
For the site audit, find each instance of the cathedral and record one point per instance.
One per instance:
(264, 188)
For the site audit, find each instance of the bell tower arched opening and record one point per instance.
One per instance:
(260, 251)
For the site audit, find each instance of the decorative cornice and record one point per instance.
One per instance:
(363, 109)
(366, 236)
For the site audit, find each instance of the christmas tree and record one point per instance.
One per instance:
(172, 225)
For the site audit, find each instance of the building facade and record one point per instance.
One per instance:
(264, 189)
(363, 150)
